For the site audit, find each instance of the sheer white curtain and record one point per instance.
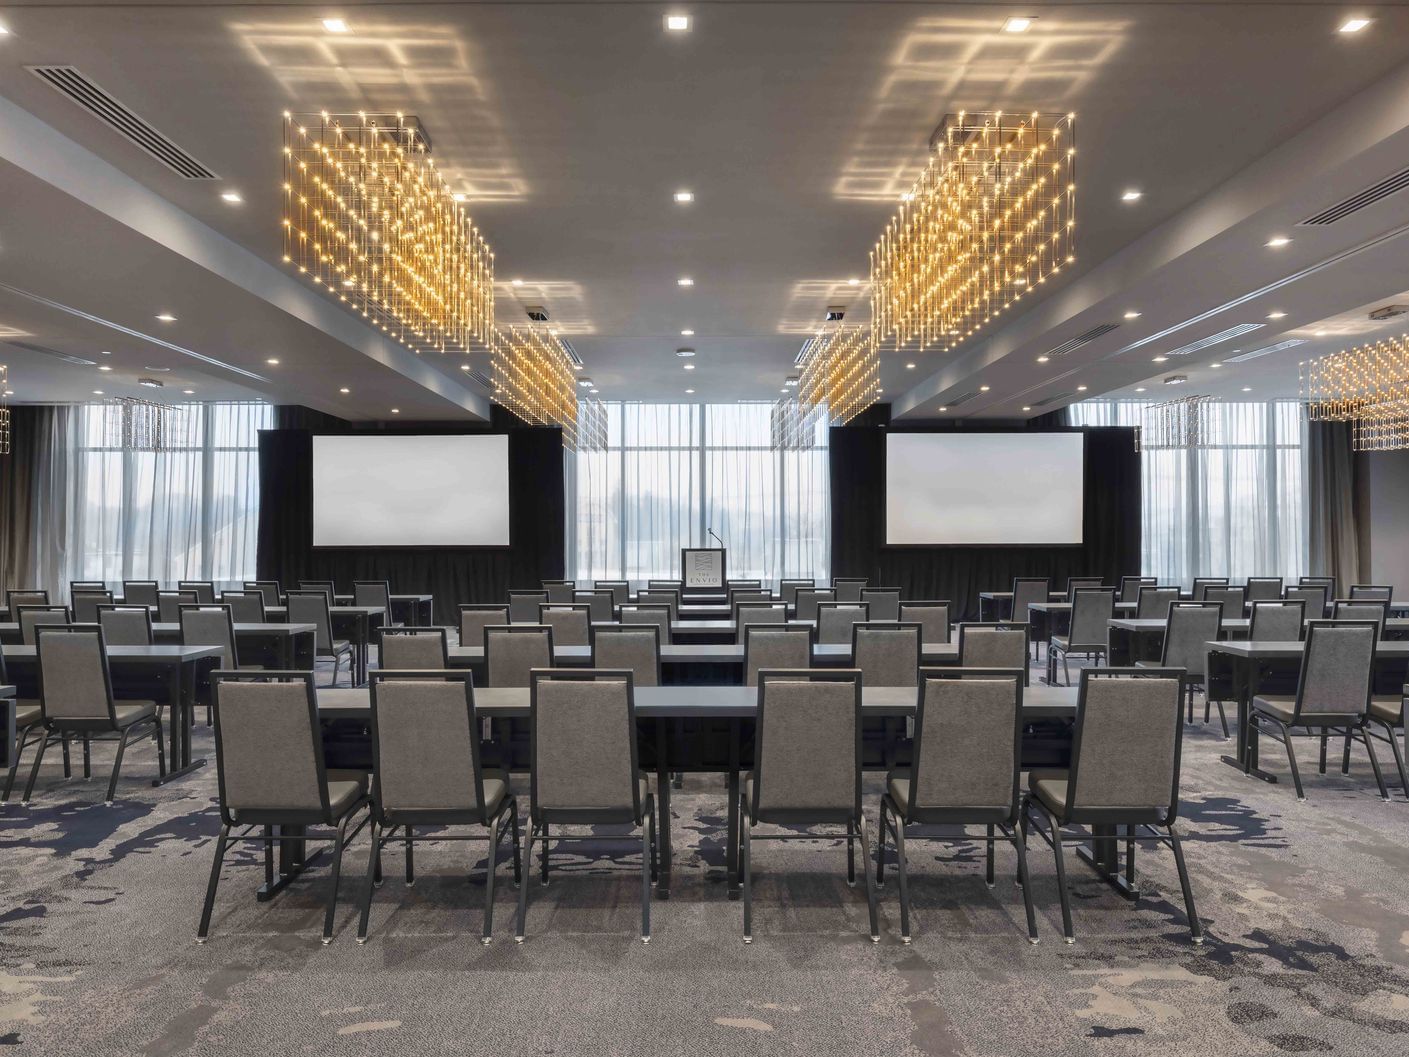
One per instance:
(1234, 506)
(671, 473)
(188, 512)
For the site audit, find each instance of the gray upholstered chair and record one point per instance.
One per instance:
(474, 619)
(328, 587)
(620, 590)
(886, 654)
(1232, 599)
(413, 649)
(848, 588)
(807, 770)
(512, 652)
(771, 646)
(1387, 714)
(205, 590)
(427, 774)
(884, 602)
(169, 605)
(311, 607)
(523, 606)
(1362, 609)
(964, 771)
(559, 590)
(1332, 694)
(933, 617)
(808, 598)
(1130, 587)
(677, 586)
(31, 617)
(1089, 630)
(1372, 592)
(1203, 583)
(247, 607)
(834, 620)
(125, 625)
(76, 698)
(601, 605)
(584, 770)
(210, 626)
(1264, 588)
(270, 771)
(747, 614)
(1080, 583)
(1188, 630)
(1329, 582)
(788, 589)
(657, 613)
(24, 597)
(993, 646)
(271, 590)
(1154, 602)
(751, 585)
(375, 593)
(661, 597)
(1276, 621)
(84, 605)
(1026, 591)
(1124, 773)
(571, 624)
(76, 586)
(738, 595)
(629, 647)
(1313, 596)
(29, 719)
(140, 592)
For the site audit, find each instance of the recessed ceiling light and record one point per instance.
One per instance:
(9, 392)
(684, 197)
(1018, 25)
(879, 389)
(1354, 25)
(104, 367)
(233, 197)
(97, 392)
(1275, 315)
(188, 392)
(515, 282)
(784, 390)
(943, 409)
(166, 317)
(1132, 315)
(464, 366)
(1278, 241)
(689, 366)
(1160, 359)
(396, 411)
(1139, 388)
(1042, 359)
(983, 388)
(677, 23)
(689, 390)
(1215, 365)
(4, 30)
(684, 280)
(459, 196)
(104, 352)
(853, 282)
(909, 366)
(344, 390)
(1081, 388)
(1027, 409)
(1132, 195)
(272, 362)
(1247, 388)
(687, 333)
(685, 354)
(593, 390)
(336, 25)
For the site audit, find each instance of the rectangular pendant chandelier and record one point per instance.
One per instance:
(841, 374)
(531, 375)
(1367, 386)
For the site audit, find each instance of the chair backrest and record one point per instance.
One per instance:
(770, 646)
(1154, 602)
(601, 605)
(74, 682)
(425, 745)
(125, 625)
(269, 748)
(1232, 599)
(1078, 583)
(583, 760)
(76, 586)
(834, 620)
(326, 586)
(559, 590)
(1381, 592)
(1091, 611)
(140, 592)
(372, 593)
(84, 605)
(1277, 621)
(571, 624)
(270, 589)
(1313, 596)
(247, 607)
(746, 594)
(886, 654)
(1203, 583)
(749, 613)
(523, 606)
(311, 607)
(884, 602)
(1264, 588)
(169, 604)
(620, 590)
(25, 597)
(1027, 590)
(513, 651)
(474, 619)
(1188, 630)
(413, 649)
(1328, 581)
(807, 746)
(630, 647)
(1337, 670)
(848, 588)
(665, 585)
(808, 598)
(30, 617)
(1130, 587)
(663, 597)
(210, 626)
(968, 744)
(1126, 745)
(754, 585)
(657, 613)
(933, 617)
(205, 590)
(1362, 609)
(993, 645)
(788, 589)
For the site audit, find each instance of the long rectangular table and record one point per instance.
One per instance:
(411, 610)
(293, 645)
(1142, 639)
(353, 623)
(711, 653)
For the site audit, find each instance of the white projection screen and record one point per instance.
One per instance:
(994, 489)
(411, 491)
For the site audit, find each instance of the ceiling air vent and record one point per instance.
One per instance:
(962, 398)
(1290, 343)
(1081, 339)
(1386, 187)
(1214, 339)
(1057, 398)
(73, 361)
(106, 108)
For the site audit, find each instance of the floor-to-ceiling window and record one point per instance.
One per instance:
(1234, 504)
(678, 475)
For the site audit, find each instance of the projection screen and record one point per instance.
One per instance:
(996, 489)
(411, 491)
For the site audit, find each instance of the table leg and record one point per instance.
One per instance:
(181, 706)
(663, 806)
(731, 858)
(1247, 681)
(1102, 854)
(293, 860)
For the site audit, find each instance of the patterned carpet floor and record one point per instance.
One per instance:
(1306, 905)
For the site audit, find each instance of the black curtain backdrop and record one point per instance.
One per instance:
(1111, 529)
(537, 520)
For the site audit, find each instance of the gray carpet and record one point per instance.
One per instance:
(1307, 908)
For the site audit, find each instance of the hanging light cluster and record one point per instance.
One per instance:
(591, 425)
(841, 375)
(531, 375)
(991, 218)
(1367, 385)
(139, 425)
(368, 217)
(1183, 423)
(4, 410)
(791, 427)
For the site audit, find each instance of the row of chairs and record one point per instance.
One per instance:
(151, 593)
(584, 772)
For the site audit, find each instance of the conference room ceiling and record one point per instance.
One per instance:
(797, 126)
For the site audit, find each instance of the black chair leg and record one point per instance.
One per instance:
(23, 740)
(1291, 758)
(988, 876)
(87, 757)
(496, 834)
(1195, 928)
(901, 865)
(851, 855)
(1321, 768)
(410, 860)
(333, 881)
(117, 764)
(518, 856)
(543, 835)
(68, 768)
(1020, 844)
(646, 845)
(1374, 764)
(746, 838)
(369, 883)
(1398, 757)
(870, 882)
(524, 886)
(1345, 756)
(881, 848)
(34, 769)
(1057, 852)
(203, 929)
(655, 852)
(1223, 719)
(161, 747)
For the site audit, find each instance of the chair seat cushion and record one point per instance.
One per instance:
(898, 786)
(1387, 709)
(342, 795)
(495, 792)
(130, 712)
(1282, 707)
(1050, 788)
(1061, 642)
(27, 713)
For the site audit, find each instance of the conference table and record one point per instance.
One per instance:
(415, 611)
(700, 729)
(288, 646)
(1142, 639)
(823, 654)
(136, 670)
(353, 623)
